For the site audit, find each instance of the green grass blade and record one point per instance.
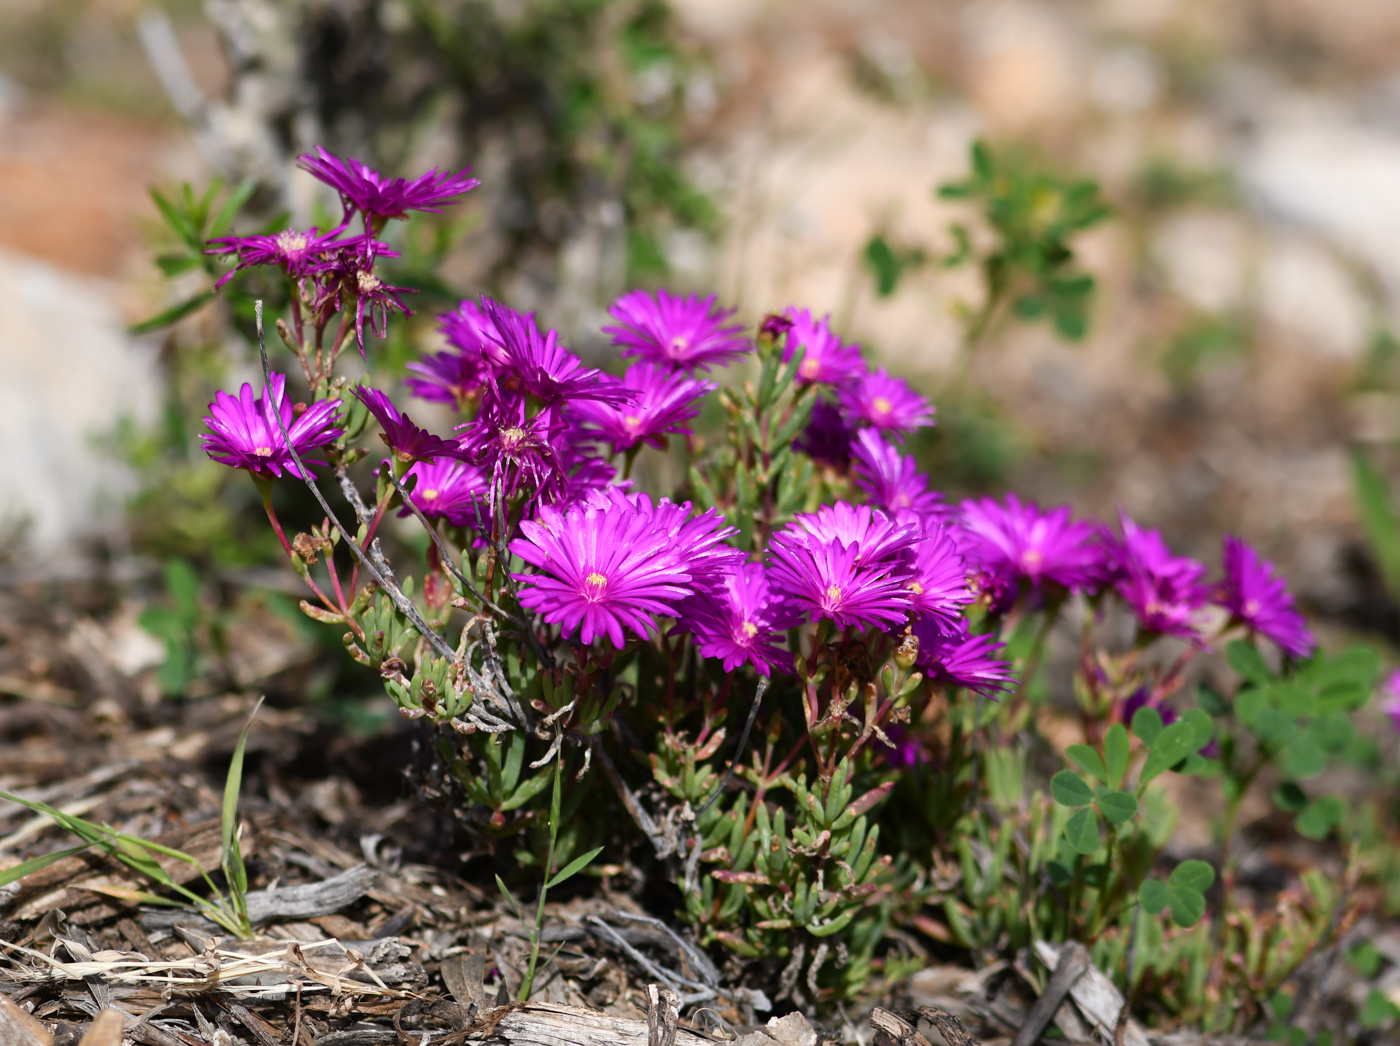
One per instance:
(34, 864)
(232, 855)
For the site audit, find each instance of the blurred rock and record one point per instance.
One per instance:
(1203, 256)
(1024, 66)
(1316, 167)
(71, 375)
(1307, 294)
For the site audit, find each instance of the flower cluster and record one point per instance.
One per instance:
(532, 463)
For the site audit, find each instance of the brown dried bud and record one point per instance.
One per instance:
(306, 546)
(908, 651)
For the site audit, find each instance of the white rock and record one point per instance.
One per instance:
(1204, 258)
(1334, 176)
(1305, 291)
(71, 374)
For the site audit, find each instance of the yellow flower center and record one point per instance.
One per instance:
(749, 629)
(833, 593)
(594, 584)
(810, 368)
(631, 421)
(263, 452)
(916, 588)
(882, 405)
(430, 495)
(369, 282)
(680, 343)
(1032, 558)
(1251, 607)
(512, 438)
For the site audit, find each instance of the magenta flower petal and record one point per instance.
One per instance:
(450, 490)
(245, 433)
(876, 537)
(939, 583)
(364, 189)
(676, 332)
(886, 402)
(826, 580)
(401, 435)
(1164, 591)
(1018, 541)
(827, 438)
(825, 359)
(737, 622)
(892, 480)
(538, 365)
(954, 656)
(602, 571)
(1254, 594)
(664, 401)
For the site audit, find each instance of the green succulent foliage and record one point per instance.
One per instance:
(775, 880)
(177, 623)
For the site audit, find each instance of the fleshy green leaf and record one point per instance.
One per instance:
(1069, 789)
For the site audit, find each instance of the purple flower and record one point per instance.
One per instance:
(450, 490)
(378, 198)
(516, 449)
(891, 480)
(452, 377)
(678, 332)
(826, 580)
(401, 435)
(1141, 698)
(1391, 691)
(350, 278)
(939, 582)
(966, 661)
(1257, 596)
(909, 750)
(244, 433)
(665, 399)
(825, 360)
(738, 622)
(1164, 591)
(875, 537)
(698, 541)
(603, 571)
(467, 327)
(1018, 540)
(296, 253)
(774, 326)
(539, 366)
(885, 402)
(827, 438)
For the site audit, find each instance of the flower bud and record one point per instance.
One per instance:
(908, 651)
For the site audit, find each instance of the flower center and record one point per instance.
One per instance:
(368, 281)
(833, 593)
(430, 495)
(679, 344)
(594, 584)
(882, 405)
(263, 452)
(632, 421)
(289, 241)
(916, 588)
(810, 368)
(1032, 558)
(1250, 608)
(512, 438)
(749, 629)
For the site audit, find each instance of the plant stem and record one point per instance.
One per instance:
(529, 980)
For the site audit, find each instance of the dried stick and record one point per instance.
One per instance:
(1074, 960)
